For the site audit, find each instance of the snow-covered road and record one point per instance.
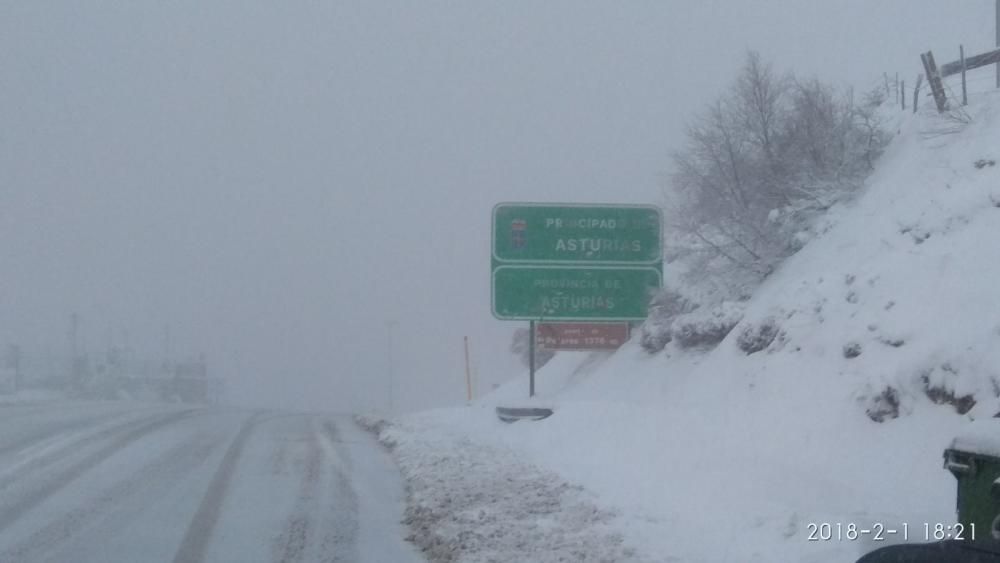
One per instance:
(93, 482)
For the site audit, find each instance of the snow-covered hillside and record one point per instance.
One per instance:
(890, 315)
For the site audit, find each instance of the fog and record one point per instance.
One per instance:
(280, 185)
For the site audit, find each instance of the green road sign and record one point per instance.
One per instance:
(537, 233)
(584, 293)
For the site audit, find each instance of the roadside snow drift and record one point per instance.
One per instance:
(482, 503)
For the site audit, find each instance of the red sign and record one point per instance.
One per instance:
(581, 336)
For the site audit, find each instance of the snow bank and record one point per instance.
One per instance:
(980, 437)
(706, 326)
(473, 502)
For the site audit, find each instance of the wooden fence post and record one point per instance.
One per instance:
(961, 57)
(916, 92)
(934, 80)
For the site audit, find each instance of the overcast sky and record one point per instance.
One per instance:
(277, 181)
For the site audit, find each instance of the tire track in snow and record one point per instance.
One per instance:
(48, 431)
(333, 437)
(50, 451)
(199, 533)
(323, 526)
(279, 459)
(292, 544)
(152, 479)
(341, 510)
(10, 410)
(24, 405)
(49, 486)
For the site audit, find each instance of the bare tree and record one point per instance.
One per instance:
(760, 99)
(760, 164)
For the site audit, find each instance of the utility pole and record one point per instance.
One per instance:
(126, 353)
(74, 327)
(166, 344)
(468, 373)
(996, 29)
(388, 326)
(76, 366)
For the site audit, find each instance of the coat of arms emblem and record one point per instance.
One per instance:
(518, 229)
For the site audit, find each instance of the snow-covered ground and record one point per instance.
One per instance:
(476, 501)
(890, 315)
(110, 482)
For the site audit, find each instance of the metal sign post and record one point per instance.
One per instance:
(531, 358)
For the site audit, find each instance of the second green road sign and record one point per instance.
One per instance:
(578, 293)
(574, 261)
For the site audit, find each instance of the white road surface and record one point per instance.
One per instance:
(107, 482)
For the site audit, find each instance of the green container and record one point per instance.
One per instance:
(978, 502)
